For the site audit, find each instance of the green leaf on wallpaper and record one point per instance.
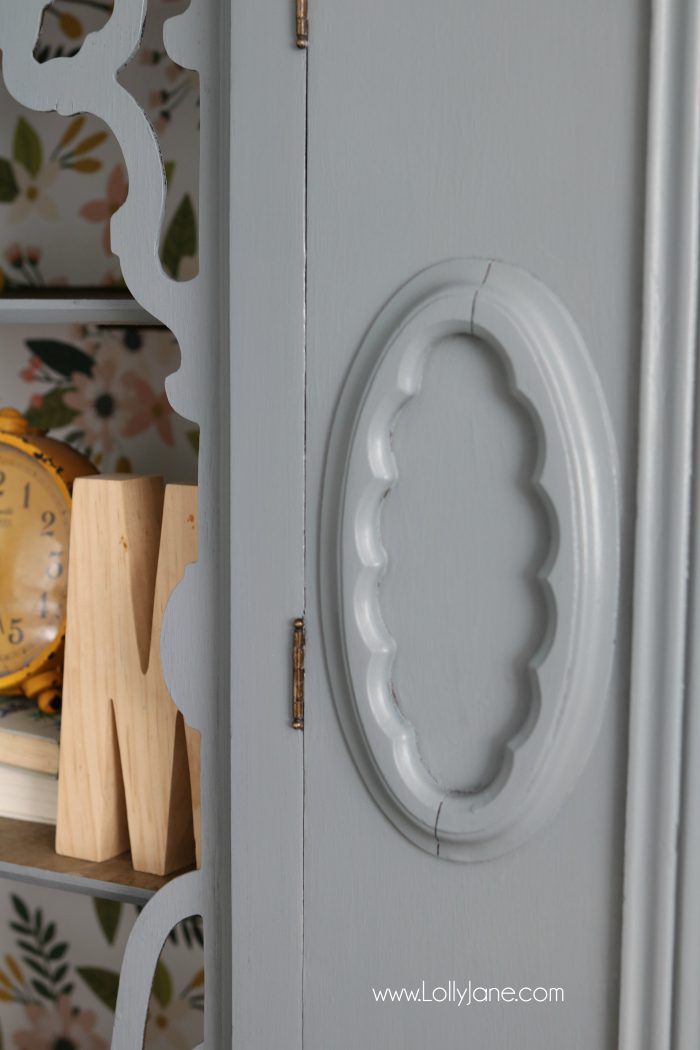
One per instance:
(8, 184)
(27, 946)
(162, 984)
(41, 988)
(193, 438)
(181, 236)
(39, 968)
(58, 975)
(63, 358)
(108, 915)
(104, 983)
(20, 907)
(51, 413)
(169, 167)
(26, 147)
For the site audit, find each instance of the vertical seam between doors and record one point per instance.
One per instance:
(304, 522)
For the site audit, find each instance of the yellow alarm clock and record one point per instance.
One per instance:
(36, 479)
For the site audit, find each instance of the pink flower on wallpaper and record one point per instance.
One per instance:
(61, 1025)
(103, 210)
(148, 409)
(30, 373)
(14, 255)
(101, 406)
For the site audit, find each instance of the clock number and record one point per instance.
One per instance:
(27, 490)
(2, 481)
(44, 606)
(47, 520)
(15, 636)
(55, 568)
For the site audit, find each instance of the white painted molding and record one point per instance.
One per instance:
(650, 1019)
(550, 372)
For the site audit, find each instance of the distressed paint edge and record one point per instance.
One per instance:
(662, 535)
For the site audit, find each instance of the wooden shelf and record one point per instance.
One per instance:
(27, 855)
(73, 307)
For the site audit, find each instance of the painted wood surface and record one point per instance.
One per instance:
(502, 131)
(267, 314)
(516, 133)
(659, 1005)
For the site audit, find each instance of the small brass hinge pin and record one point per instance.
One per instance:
(302, 23)
(298, 648)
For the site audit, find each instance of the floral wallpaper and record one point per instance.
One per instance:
(102, 390)
(62, 179)
(60, 956)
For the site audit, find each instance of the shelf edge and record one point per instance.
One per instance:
(75, 883)
(82, 311)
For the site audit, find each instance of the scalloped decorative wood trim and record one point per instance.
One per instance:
(550, 372)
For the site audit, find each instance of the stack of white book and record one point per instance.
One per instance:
(28, 762)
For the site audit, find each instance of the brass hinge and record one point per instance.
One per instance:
(298, 651)
(302, 23)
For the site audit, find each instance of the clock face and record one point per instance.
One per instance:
(34, 532)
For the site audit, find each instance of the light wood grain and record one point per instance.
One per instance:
(194, 756)
(124, 774)
(31, 845)
(27, 751)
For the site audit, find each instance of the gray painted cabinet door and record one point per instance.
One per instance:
(475, 224)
